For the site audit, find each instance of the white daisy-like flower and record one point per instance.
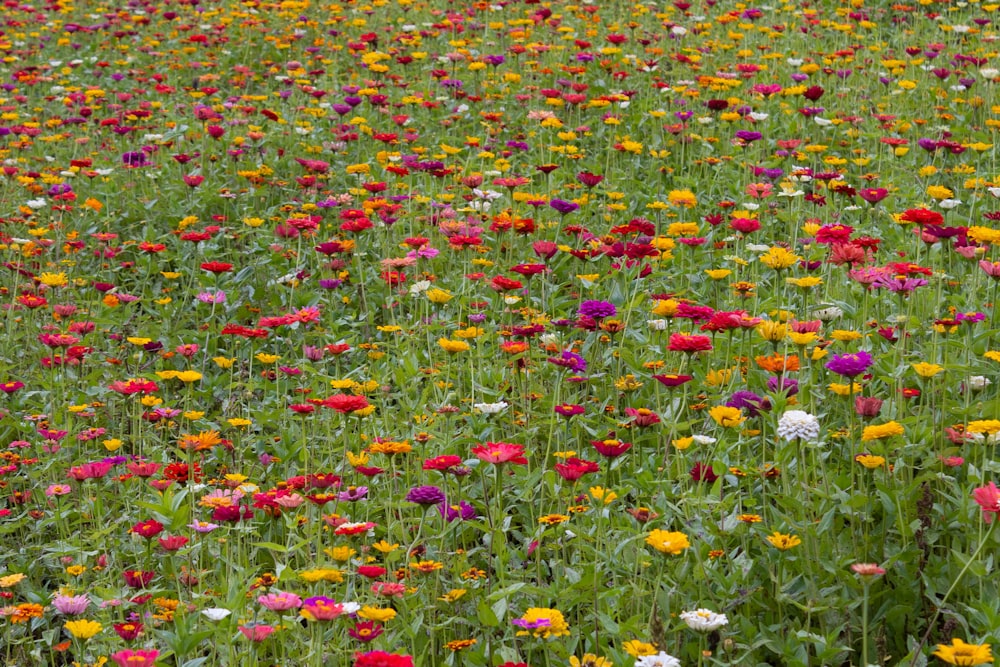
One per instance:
(661, 659)
(827, 314)
(657, 325)
(979, 382)
(704, 620)
(948, 204)
(798, 424)
(215, 613)
(490, 408)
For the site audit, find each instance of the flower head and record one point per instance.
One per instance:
(704, 620)
(967, 655)
(668, 542)
(798, 424)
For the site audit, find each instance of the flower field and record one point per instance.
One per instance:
(523, 333)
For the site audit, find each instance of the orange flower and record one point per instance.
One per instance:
(23, 613)
(777, 363)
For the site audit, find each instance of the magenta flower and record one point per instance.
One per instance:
(71, 605)
(135, 657)
(279, 601)
(850, 365)
(256, 633)
(320, 608)
(988, 498)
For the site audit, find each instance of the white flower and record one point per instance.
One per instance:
(994, 191)
(822, 122)
(948, 204)
(798, 424)
(989, 72)
(704, 620)
(757, 247)
(759, 116)
(703, 439)
(419, 286)
(216, 613)
(827, 314)
(661, 659)
(680, 31)
(658, 325)
(979, 382)
(794, 62)
(36, 203)
(351, 607)
(490, 408)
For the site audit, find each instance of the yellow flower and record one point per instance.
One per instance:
(471, 332)
(75, 570)
(782, 541)
(453, 346)
(377, 614)
(779, 258)
(112, 444)
(845, 335)
(459, 644)
(870, 461)
(553, 624)
(83, 628)
(340, 554)
(717, 378)
(606, 496)
(136, 340)
(11, 580)
(53, 279)
(224, 362)
(802, 339)
(668, 542)
(589, 660)
(718, 274)
(438, 296)
(987, 426)
(453, 595)
(322, 574)
(844, 389)
(939, 192)
(992, 355)
(265, 358)
(926, 370)
(684, 198)
(627, 383)
(772, 331)
(637, 649)
(806, 282)
(960, 653)
(188, 376)
(553, 519)
(384, 547)
(880, 431)
(237, 422)
(682, 443)
(726, 416)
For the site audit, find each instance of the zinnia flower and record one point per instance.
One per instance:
(668, 542)
(988, 498)
(850, 365)
(798, 424)
(542, 622)
(660, 659)
(704, 620)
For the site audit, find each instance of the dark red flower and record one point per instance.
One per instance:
(148, 529)
(574, 468)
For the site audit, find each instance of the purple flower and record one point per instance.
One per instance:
(850, 365)
(597, 309)
(531, 625)
(790, 386)
(749, 401)
(570, 360)
(462, 510)
(71, 605)
(353, 493)
(425, 495)
(563, 207)
(135, 159)
(748, 136)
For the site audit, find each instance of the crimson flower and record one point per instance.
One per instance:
(344, 403)
(689, 343)
(172, 542)
(382, 659)
(500, 452)
(216, 267)
(988, 498)
(574, 468)
(149, 528)
(611, 447)
(365, 631)
(443, 463)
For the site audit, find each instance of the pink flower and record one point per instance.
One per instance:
(988, 497)
(279, 601)
(257, 633)
(136, 657)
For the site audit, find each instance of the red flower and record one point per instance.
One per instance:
(443, 463)
(365, 631)
(128, 631)
(138, 578)
(611, 448)
(505, 284)
(873, 195)
(922, 216)
(343, 403)
(382, 659)
(148, 529)
(371, 571)
(703, 473)
(11, 387)
(501, 452)
(216, 267)
(688, 343)
(574, 468)
(172, 542)
(671, 381)
(988, 498)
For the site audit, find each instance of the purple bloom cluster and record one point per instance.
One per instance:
(425, 495)
(850, 365)
(597, 309)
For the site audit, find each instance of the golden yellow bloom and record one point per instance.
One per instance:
(554, 625)
(391, 447)
(438, 296)
(939, 192)
(802, 339)
(992, 355)
(224, 362)
(772, 331)
(377, 614)
(589, 660)
(844, 389)
(986, 426)
(666, 307)
(683, 198)
(53, 279)
(726, 416)
(717, 378)
(426, 566)
(384, 547)
(136, 340)
(783, 541)
(606, 496)
(668, 542)
(459, 644)
(11, 580)
(75, 570)
(553, 519)
(188, 376)
(471, 332)
(453, 346)
(340, 554)
(926, 370)
(627, 383)
(322, 574)
(682, 443)
(265, 358)
(453, 595)
(807, 282)
(870, 461)
(845, 335)
(880, 431)
(83, 628)
(779, 258)
(637, 649)
(967, 655)
(718, 274)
